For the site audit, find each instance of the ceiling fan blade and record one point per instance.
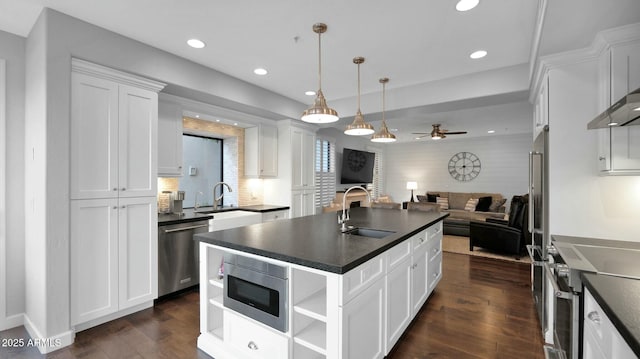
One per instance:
(455, 133)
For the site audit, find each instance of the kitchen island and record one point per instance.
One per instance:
(348, 295)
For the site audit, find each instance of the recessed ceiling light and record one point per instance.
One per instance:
(310, 93)
(491, 131)
(260, 71)
(197, 116)
(195, 43)
(218, 120)
(235, 124)
(464, 5)
(612, 124)
(478, 54)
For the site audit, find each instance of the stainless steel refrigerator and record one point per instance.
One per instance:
(539, 224)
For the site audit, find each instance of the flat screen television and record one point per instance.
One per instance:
(357, 166)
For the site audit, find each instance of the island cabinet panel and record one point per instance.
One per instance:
(359, 314)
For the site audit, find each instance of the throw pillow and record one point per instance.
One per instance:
(471, 205)
(443, 202)
(496, 204)
(422, 198)
(483, 204)
(432, 197)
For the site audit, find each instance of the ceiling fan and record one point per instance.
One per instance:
(438, 133)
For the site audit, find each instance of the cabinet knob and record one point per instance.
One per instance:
(115, 189)
(594, 317)
(252, 345)
(123, 207)
(123, 189)
(115, 207)
(602, 158)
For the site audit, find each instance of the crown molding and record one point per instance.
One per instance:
(89, 68)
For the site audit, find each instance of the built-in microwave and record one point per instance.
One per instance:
(257, 289)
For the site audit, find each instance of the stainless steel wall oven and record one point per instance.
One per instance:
(256, 289)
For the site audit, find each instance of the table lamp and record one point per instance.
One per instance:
(412, 186)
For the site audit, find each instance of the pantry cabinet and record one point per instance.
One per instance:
(169, 139)
(113, 219)
(261, 151)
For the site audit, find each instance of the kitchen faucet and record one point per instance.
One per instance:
(345, 214)
(216, 201)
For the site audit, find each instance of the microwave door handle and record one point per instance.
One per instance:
(556, 290)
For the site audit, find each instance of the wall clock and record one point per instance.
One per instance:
(464, 166)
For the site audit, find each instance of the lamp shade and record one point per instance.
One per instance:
(412, 185)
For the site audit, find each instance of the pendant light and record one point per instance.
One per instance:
(358, 127)
(319, 112)
(384, 135)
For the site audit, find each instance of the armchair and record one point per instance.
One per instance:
(510, 237)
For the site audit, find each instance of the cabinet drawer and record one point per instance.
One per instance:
(435, 271)
(434, 249)
(275, 215)
(419, 240)
(253, 340)
(397, 254)
(434, 231)
(602, 330)
(358, 279)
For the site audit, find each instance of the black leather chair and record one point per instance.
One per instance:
(506, 236)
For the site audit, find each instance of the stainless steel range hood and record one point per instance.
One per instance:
(625, 112)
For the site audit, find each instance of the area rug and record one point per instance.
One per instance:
(458, 244)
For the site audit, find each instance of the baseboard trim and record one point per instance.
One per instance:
(12, 321)
(47, 345)
(112, 316)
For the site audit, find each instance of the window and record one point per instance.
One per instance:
(202, 158)
(377, 187)
(325, 171)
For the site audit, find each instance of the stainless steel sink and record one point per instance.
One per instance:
(614, 261)
(367, 232)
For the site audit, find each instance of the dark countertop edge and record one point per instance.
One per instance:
(319, 265)
(191, 216)
(263, 210)
(589, 280)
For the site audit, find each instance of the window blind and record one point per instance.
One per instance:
(325, 172)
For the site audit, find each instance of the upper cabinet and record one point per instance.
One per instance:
(541, 107)
(113, 134)
(303, 158)
(619, 147)
(169, 139)
(261, 151)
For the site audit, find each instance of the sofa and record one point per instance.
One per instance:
(461, 211)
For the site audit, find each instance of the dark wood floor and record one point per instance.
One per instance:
(482, 308)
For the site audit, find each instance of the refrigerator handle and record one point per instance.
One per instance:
(532, 189)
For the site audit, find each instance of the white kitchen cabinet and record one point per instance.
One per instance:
(303, 158)
(363, 324)
(275, 215)
(619, 147)
(541, 107)
(113, 133)
(302, 203)
(601, 339)
(113, 256)
(252, 340)
(261, 151)
(399, 309)
(169, 139)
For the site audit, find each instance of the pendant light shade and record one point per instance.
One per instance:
(383, 135)
(358, 127)
(319, 112)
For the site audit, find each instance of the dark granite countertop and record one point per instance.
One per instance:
(316, 241)
(619, 298)
(190, 215)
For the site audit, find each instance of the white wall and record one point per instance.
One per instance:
(581, 202)
(504, 159)
(12, 50)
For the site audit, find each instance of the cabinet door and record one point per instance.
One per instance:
(94, 137)
(138, 250)
(308, 156)
(420, 279)
(268, 151)
(541, 109)
(309, 202)
(297, 158)
(399, 309)
(625, 77)
(363, 324)
(302, 203)
(94, 259)
(138, 134)
(169, 140)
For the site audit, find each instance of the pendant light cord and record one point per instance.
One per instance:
(383, 98)
(319, 62)
(358, 87)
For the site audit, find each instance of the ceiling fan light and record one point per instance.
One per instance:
(319, 112)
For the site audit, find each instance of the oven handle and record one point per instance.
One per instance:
(530, 249)
(556, 290)
(185, 228)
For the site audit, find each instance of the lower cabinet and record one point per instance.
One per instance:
(363, 324)
(275, 215)
(399, 308)
(302, 203)
(253, 340)
(113, 256)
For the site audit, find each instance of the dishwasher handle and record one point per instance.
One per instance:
(185, 228)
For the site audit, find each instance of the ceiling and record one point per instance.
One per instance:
(412, 42)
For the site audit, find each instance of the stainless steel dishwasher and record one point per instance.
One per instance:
(178, 256)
